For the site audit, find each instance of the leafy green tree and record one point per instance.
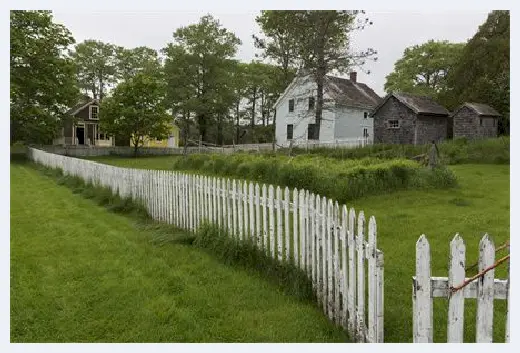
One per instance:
(97, 66)
(42, 83)
(423, 68)
(140, 59)
(136, 108)
(206, 49)
(482, 72)
(320, 40)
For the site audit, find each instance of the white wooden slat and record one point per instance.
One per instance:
(279, 223)
(485, 291)
(190, 202)
(456, 276)
(218, 193)
(372, 280)
(302, 238)
(240, 204)
(296, 242)
(351, 292)
(380, 296)
(344, 266)
(312, 238)
(265, 225)
(325, 253)
(234, 208)
(229, 210)
(214, 199)
(271, 222)
(252, 222)
(287, 234)
(330, 260)
(337, 268)
(308, 234)
(318, 249)
(245, 203)
(423, 305)
(257, 216)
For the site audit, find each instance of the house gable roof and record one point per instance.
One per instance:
(418, 104)
(480, 109)
(352, 94)
(342, 91)
(82, 104)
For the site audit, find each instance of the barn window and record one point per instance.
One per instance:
(393, 124)
(290, 132)
(291, 105)
(94, 112)
(494, 122)
(311, 103)
(311, 131)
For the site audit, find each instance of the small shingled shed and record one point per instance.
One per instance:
(403, 118)
(475, 121)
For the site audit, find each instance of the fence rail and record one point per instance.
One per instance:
(319, 236)
(456, 287)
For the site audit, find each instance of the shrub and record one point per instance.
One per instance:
(342, 180)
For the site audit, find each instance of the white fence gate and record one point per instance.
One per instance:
(312, 232)
(456, 287)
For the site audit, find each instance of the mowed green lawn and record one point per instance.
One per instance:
(480, 204)
(81, 274)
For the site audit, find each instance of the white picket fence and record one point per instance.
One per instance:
(485, 290)
(312, 232)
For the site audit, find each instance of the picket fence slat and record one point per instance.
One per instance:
(485, 291)
(457, 274)
(422, 302)
(315, 234)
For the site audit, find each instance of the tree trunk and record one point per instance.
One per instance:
(320, 78)
(237, 113)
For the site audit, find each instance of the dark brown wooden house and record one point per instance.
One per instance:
(84, 131)
(475, 121)
(408, 119)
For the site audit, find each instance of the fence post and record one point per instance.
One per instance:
(485, 291)
(422, 300)
(457, 274)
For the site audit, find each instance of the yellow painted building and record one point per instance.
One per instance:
(171, 141)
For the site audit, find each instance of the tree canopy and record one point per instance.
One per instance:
(482, 72)
(423, 68)
(136, 108)
(42, 81)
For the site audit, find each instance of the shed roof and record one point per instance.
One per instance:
(83, 102)
(482, 109)
(418, 104)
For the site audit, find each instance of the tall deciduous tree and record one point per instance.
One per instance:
(208, 49)
(482, 73)
(136, 108)
(42, 80)
(97, 66)
(133, 61)
(321, 43)
(423, 68)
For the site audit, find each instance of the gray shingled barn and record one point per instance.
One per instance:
(475, 121)
(403, 118)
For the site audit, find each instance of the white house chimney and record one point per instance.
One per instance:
(353, 76)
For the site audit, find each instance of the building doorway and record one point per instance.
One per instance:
(80, 135)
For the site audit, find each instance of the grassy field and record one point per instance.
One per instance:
(480, 204)
(82, 274)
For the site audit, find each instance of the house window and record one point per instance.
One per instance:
(291, 105)
(393, 124)
(365, 115)
(94, 112)
(103, 137)
(365, 132)
(311, 103)
(311, 130)
(480, 121)
(494, 122)
(290, 132)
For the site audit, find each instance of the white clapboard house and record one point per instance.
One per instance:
(345, 118)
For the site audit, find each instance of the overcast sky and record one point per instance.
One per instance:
(390, 34)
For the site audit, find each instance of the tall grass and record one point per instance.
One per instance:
(457, 151)
(342, 180)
